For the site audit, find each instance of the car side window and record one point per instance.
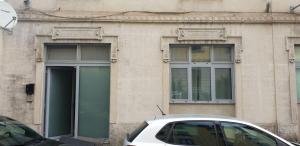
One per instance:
(194, 133)
(164, 133)
(243, 135)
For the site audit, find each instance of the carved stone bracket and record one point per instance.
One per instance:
(165, 48)
(114, 48)
(290, 47)
(234, 40)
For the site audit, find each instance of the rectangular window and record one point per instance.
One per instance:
(67, 53)
(201, 73)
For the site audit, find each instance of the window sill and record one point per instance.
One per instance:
(202, 102)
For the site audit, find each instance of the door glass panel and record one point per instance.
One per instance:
(222, 53)
(194, 133)
(223, 83)
(179, 83)
(179, 53)
(201, 83)
(60, 102)
(243, 135)
(200, 53)
(93, 52)
(61, 52)
(94, 88)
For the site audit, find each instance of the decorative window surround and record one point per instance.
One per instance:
(290, 48)
(40, 41)
(238, 49)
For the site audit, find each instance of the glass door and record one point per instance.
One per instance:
(60, 99)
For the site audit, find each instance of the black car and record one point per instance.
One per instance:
(14, 133)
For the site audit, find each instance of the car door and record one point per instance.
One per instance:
(236, 134)
(193, 133)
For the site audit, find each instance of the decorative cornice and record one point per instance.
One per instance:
(136, 17)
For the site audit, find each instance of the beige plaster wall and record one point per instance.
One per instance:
(159, 6)
(140, 72)
(16, 69)
(257, 77)
(224, 110)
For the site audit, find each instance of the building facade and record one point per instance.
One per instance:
(99, 68)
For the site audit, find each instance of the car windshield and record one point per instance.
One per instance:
(13, 133)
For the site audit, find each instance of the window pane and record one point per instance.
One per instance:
(179, 83)
(201, 83)
(179, 53)
(194, 133)
(297, 52)
(298, 83)
(222, 53)
(243, 135)
(95, 52)
(61, 52)
(200, 53)
(223, 83)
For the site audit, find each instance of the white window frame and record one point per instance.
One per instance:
(297, 66)
(78, 59)
(212, 65)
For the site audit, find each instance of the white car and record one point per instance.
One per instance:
(200, 130)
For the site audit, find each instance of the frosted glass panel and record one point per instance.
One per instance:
(222, 53)
(200, 53)
(94, 87)
(95, 52)
(223, 83)
(179, 53)
(61, 52)
(179, 83)
(201, 83)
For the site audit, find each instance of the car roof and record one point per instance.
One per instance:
(183, 117)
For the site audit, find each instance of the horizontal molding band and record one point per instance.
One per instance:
(136, 17)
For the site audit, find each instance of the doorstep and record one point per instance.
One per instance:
(77, 142)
